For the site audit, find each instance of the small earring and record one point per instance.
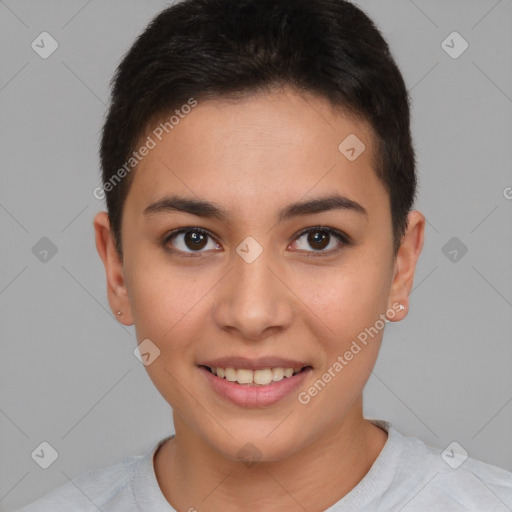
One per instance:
(402, 307)
(119, 313)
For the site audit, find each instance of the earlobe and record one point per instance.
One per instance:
(116, 286)
(406, 260)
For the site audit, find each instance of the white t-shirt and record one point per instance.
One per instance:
(407, 476)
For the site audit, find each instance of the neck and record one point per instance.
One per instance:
(193, 475)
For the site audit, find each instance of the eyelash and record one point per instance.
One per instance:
(340, 236)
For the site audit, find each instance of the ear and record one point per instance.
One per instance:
(405, 264)
(116, 286)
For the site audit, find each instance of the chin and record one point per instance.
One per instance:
(256, 444)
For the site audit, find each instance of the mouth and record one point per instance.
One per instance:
(262, 386)
(254, 378)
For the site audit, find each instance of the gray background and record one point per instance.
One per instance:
(68, 373)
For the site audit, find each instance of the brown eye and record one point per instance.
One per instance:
(189, 241)
(194, 240)
(321, 240)
(318, 239)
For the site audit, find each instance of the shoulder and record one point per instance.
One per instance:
(432, 477)
(107, 489)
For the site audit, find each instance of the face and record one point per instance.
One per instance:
(254, 279)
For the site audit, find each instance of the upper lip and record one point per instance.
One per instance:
(253, 364)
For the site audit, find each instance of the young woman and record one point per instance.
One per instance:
(260, 178)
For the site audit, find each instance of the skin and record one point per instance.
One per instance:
(254, 156)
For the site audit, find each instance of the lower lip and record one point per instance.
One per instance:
(255, 396)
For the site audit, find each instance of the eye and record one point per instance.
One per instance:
(191, 241)
(320, 238)
(194, 239)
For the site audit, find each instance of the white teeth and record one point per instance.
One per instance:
(254, 377)
(277, 374)
(230, 374)
(244, 376)
(263, 376)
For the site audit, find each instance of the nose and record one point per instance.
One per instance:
(253, 300)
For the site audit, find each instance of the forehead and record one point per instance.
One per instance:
(245, 152)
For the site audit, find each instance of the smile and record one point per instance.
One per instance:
(248, 377)
(249, 388)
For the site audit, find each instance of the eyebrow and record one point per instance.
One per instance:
(208, 209)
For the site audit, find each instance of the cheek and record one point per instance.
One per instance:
(167, 309)
(161, 302)
(346, 299)
(170, 306)
(344, 315)
(345, 319)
